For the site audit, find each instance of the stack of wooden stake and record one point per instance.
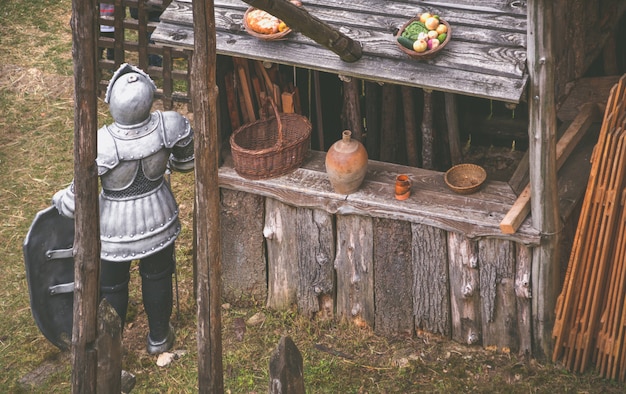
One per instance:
(247, 86)
(590, 323)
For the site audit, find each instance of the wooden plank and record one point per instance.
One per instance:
(431, 286)
(491, 57)
(354, 265)
(282, 254)
(564, 148)
(394, 278)
(496, 260)
(243, 268)
(464, 289)
(316, 255)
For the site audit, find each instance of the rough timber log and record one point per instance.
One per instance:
(431, 295)
(393, 273)
(355, 269)
(243, 247)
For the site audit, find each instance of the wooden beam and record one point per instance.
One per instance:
(86, 219)
(204, 95)
(312, 27)
(572, 136)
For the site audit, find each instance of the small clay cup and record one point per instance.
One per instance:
(403, 187)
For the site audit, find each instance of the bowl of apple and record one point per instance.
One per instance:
(423, 36)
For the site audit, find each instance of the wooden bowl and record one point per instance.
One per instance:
(428, 54)
(267, 37)
(465, 178)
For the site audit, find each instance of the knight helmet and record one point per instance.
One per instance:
(130, 94)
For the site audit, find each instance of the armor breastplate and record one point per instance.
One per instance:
(122, 151)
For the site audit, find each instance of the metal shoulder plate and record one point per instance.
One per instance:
(49, 263)
(175, 128)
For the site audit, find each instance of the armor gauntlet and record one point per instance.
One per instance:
(63, 200)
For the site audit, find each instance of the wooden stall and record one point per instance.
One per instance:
(438, 262)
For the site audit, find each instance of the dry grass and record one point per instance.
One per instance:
(36, 157)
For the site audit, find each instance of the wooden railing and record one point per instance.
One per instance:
(130, 43)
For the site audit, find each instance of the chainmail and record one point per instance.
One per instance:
(140, 185)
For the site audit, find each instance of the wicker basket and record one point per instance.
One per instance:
(429, 54)
(267, 37)
(271, 147)
(465, 178)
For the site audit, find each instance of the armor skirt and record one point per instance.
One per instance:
(138, 226)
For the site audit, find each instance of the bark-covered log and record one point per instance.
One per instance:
(243, 247)
(394, 276)
(497, 290)
(316, 254)
(464, 289)
(431, 292)
(282, 254)
(373, 119)
(354, 265)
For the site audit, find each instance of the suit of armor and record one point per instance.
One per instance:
(138, 212)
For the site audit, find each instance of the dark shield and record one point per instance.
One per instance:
(50, 274)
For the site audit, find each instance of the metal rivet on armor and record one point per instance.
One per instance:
(152, 248)
(108, 235)
(151, 228)
(143, 252)
(132, 254)
(123, 256)
(106, 254)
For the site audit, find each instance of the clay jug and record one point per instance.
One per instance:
(346, 164)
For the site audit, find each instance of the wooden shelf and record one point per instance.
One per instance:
(431, 202)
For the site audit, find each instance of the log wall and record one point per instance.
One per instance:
(394, 276)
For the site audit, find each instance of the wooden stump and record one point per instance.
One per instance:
(394, 277)
(243, 247)
(286, 369)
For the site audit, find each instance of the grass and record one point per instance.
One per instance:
(36, 158)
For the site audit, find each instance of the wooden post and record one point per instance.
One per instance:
(87, 224)
(351, 111)
(428, 133)
(543, 180)
(207, 205)
(109, 349)
(286, 369)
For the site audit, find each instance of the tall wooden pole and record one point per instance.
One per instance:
(207, 206)
(543, 171)
(87, 225)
